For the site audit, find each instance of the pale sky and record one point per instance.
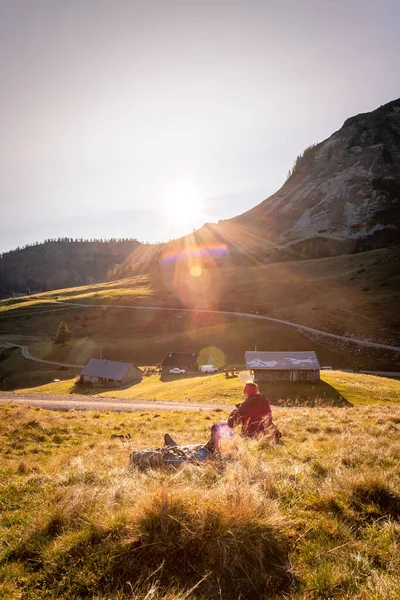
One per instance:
(116, 116)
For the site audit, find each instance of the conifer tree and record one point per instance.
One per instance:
(62, 334)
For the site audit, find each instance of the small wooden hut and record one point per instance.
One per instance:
(283, 366)
(110, 373)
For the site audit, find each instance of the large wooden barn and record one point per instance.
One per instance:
(283, 366)
(110, 373)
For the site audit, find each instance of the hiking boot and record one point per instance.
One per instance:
(168, 441)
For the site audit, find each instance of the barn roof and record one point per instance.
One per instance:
(109, 369)
(277, 361)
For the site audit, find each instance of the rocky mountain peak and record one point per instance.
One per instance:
(343, 193)
(376, 116)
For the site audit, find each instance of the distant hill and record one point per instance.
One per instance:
(354, 295)
(61, 263)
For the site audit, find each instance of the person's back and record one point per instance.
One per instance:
(254, 413)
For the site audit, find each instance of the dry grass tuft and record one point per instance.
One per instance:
(314, 517)
(234, 541)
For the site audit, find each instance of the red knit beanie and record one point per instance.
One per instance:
(250, 388)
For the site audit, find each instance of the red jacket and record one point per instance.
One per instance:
(254, 414)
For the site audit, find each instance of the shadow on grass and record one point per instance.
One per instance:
(285, 393)
(375, 499)
(84, 389)
(165, 377)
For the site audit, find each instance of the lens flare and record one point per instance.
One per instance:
(177, 254)
(193, 275)
(215, 356)
(195, 271)
(226, 432)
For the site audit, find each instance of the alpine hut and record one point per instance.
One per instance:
(110, 373)
(283, 366)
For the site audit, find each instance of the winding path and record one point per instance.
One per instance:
(66, 305)
(25, 354)
(336, 336)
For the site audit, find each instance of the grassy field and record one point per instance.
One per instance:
(356, 295)
(364, 389)
(353, 294)
(134, 288)
(316, 517)
(145, 337)
(336, 388)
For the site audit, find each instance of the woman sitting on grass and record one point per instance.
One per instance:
(254, 414)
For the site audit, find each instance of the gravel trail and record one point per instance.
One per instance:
(103, 403)
(336, 336)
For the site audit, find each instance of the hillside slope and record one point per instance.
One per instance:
(355, 295)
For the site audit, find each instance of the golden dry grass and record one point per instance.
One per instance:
(335, 388)
(132, 288)
(315, 517)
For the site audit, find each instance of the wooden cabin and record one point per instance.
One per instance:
(109, 373)
(283, 366)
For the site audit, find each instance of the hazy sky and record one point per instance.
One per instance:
(112, 113)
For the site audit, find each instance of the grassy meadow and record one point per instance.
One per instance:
(351, 294)
(315, 517)
(144, 337)
(335, 389)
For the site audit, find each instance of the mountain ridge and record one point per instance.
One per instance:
(342, 196)
(345, 188)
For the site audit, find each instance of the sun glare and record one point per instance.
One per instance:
(184, 207)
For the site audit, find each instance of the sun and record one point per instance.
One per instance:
(183, 206)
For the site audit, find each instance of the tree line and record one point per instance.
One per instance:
(70, 240)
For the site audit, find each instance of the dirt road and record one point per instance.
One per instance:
(66, 305)
(25, 354)
(354, 340)
(298, 326)
(104, 403)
